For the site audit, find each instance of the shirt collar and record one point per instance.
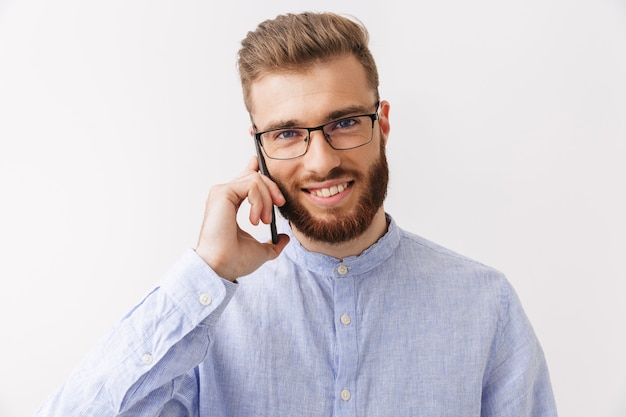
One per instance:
(327, 265)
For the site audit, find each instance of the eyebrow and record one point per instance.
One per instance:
(333, 115)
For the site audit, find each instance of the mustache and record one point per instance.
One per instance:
(333, 174)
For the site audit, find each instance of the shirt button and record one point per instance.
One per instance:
(205, 299)
(345, 319)
(345, 394)
(146, 359)
(342, 269)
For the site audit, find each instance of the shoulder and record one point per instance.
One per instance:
(436, 266)
(426, 251)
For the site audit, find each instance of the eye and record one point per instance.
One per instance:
(345, 124)
(286, 134)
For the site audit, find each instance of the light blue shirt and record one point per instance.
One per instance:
(407, 328)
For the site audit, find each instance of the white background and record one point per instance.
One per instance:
(508, 144)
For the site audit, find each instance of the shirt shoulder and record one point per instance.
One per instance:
(424, 250)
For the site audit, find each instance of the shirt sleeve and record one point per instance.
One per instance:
(145, 365)
(517, 383)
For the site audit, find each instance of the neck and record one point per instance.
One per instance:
(354, 247)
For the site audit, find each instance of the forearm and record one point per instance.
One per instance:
(150, 352)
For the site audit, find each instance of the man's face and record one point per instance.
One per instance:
(332, 195)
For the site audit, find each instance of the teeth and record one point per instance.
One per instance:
(329, 192)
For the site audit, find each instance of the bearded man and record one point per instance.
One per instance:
(345, 313)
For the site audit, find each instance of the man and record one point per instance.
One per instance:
(346, 314)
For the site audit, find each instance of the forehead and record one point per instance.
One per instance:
(308, 96)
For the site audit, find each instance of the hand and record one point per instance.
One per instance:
(224, 246)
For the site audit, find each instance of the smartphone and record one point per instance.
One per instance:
(263, 170)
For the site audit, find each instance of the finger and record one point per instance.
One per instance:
(275, 193)
(253, 164)
(274, 197)
(255, 199)
(260, 201)
(274, 249)
(252, 167)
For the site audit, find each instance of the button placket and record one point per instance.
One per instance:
(346, 333)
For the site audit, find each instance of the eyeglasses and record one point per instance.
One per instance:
(343, 134)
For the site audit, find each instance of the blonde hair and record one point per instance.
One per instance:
(291, 42)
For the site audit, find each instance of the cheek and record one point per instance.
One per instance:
(282, 171)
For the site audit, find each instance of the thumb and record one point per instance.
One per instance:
(275, 249)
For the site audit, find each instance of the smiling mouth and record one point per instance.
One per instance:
(329, 192)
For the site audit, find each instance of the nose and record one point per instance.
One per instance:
(320, 157)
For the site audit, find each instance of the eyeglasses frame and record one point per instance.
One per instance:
(373, 116)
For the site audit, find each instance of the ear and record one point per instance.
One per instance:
(383, 120)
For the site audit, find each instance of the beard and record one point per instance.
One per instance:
(339, 226)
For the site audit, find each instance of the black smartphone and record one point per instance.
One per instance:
(263, 170)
